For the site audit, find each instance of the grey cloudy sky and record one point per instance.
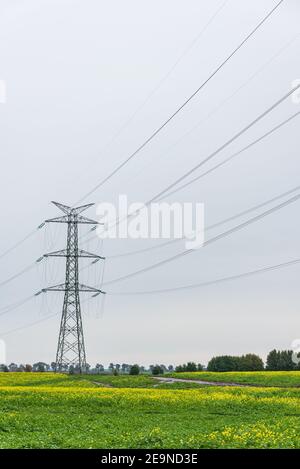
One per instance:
(75, 72)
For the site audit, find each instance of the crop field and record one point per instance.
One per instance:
(43, 410)
(254, 378)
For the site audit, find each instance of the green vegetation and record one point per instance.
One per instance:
(249, 362)
(42, 410)
(254, 378)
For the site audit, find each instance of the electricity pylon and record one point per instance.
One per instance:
(71, 347)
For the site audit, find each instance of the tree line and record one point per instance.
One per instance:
(277, 360)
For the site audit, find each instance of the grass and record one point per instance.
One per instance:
(254, 378)
(42, 410)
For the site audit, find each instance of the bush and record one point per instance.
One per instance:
(189, 366)
(281, 361)
(249, 362)
(134, 370)
(157, 370)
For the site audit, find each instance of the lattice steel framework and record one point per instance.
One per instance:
(71, 347)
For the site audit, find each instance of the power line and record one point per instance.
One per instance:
(28, 325)
(228, 98)
(274, 129)
(15, 305)
(209, 227)
(206, 243)
(182, 106)
(19, 243)
(18, 274)
(210, 282)
(226, 144)
(154, 90)
(166, 192)
(165, 77)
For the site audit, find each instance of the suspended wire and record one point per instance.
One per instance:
(206, 243)
(166, 192)
(209, 227)
(19, 243)
(210, 114)
(224, 101)
(210, 282)
(155, 89)
(22, 272)
(28, 325)
(182, 106)
(13, 306)
(274, 129)
(165, 77)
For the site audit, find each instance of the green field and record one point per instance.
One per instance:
(251, 378)
(42, 410)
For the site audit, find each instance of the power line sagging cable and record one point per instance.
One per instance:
(206, 243)
(210, 282)
(209, 227)
(182, 106)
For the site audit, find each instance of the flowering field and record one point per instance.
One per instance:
(41, 410)
(256, 378)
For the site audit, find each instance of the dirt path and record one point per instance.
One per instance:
(209, 383)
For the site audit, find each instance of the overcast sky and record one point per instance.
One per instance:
(77, 76)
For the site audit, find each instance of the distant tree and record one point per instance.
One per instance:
(273, 360)
(21, 368)
(4, 368)
(200, 367)
(111, 367)
(13, 367)
(71, 370)
(28, 368)
(179, 369)
(249, 362)
(99, 368)
(286, 362)
(134, 369)
(142, 369)
(170, 368)
(125, 368)
(191, 366)
(40, 367)
(157, 370)
(280, 361)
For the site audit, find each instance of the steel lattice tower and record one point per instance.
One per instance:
(71, 347)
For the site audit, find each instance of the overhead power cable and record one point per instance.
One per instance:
(270, 132)
(182, 106)
(165, 192)
(19, 243)
(210, 282)
(15, 305)
(206, 243)
(224, 145)
(18, 274)
(28, 325)
(209, 227)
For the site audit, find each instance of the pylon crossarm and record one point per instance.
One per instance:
(65, 253)
(75, 288)
(63, 219)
